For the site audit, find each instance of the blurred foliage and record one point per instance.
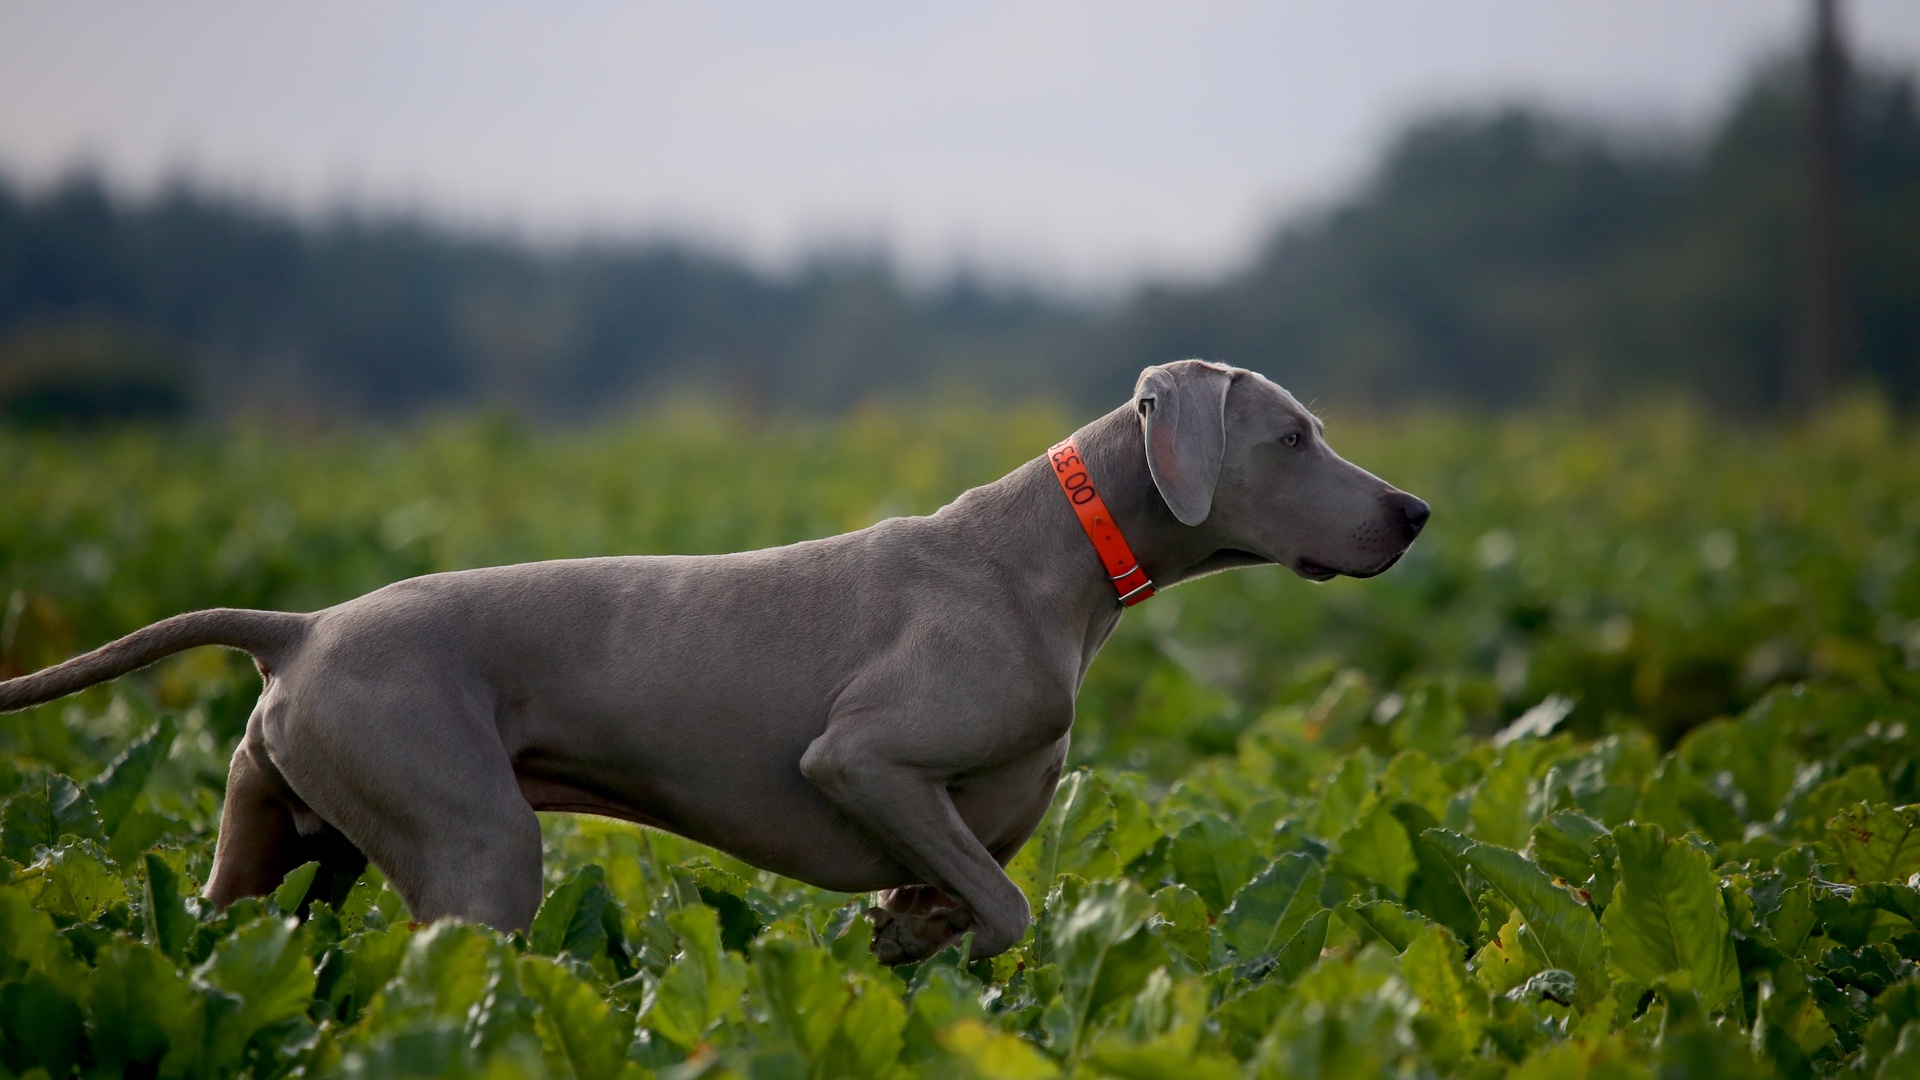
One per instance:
(1615, 775)
(1500, 257)
(87, 373)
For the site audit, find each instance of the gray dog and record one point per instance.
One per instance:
(883, 710)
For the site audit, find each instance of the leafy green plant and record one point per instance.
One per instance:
(1299, 838)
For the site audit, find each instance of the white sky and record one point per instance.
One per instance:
(1088, 142)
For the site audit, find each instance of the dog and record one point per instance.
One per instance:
(882, 711)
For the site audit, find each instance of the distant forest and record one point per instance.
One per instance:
(1495, 258)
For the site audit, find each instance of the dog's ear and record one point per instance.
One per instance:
(1183, 415)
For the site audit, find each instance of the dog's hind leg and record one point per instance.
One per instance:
(421, 784)
(483, 867)
(265, 832)
(258, 841)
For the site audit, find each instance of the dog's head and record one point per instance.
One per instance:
(1234, 454)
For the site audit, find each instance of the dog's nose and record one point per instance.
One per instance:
(1414, 510)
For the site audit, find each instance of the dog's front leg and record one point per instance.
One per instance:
(909, 810)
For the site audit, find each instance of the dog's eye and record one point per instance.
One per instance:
(1291, 440)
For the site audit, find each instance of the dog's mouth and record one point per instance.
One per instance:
(1382, 568)
(1314, 571)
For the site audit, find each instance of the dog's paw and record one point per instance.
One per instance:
(914, 923)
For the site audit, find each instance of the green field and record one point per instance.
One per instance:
(1322, 830)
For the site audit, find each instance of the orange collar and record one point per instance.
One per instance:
(1129, 580)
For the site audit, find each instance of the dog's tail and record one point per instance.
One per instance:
(267, 635)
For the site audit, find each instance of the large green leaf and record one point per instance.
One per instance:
(1753, 751)
(579, 919)
(1502, 812)
(115, 789)
(1509, 958)
(1564, 845)
(1135, 831)
(140, 1009)
(1607, 779)
(1690, 1045)
(943, 994)
(1562, 928)
(371, 960)
(293, 888)
(581, 1033)
(1245, 1017)
(728, 894)
(868, 1038)
(1214, 859)
(264, 972)
(140, 831)
(1291, 960)
(1272, 907)
(41, 1026)
(1453, 1007)
(1667, 918)
(1104, 952)
(1808, 812)
(1157, 1061)
(1430, 719)
(1790, 1012)
(853, 948)
(77, 882)
(1166, 1036)
(1413, 777)
(1377, 850)
(1676, 799)
(1337, 803)
(978, 1052)
(1877, 842)
(802, 989)
(1182, 919)
(38, 816)
(703, 985)
(1384, 920)
(444, 971)
(1438, 887)
(1073, 838)
(30, 942)
(1790, 923)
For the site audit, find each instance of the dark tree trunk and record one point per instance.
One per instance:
(1820, 359)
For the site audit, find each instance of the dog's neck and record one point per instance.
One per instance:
(1033, 524)
(1116, 454)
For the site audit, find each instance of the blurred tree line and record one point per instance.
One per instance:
(1514, 257)
(390, 317)
(1497, 258)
